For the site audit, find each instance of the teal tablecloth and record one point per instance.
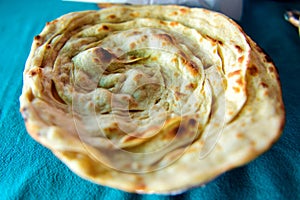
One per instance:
(30, 171)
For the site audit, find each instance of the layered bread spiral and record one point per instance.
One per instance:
(150, 99)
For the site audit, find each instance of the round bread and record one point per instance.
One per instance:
(150, 99)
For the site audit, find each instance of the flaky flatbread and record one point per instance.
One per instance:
(150, 99)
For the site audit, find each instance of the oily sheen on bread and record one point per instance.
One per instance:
(150, 99)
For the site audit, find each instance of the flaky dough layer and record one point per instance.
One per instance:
(150, 99)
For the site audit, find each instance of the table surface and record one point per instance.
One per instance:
(30, 171)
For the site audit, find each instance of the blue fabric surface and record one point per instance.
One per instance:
(30, 171)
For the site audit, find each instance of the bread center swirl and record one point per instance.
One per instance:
(138, 84)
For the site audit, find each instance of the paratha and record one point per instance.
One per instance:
(150, 99)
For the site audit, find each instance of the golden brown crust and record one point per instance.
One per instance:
(150, 99)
